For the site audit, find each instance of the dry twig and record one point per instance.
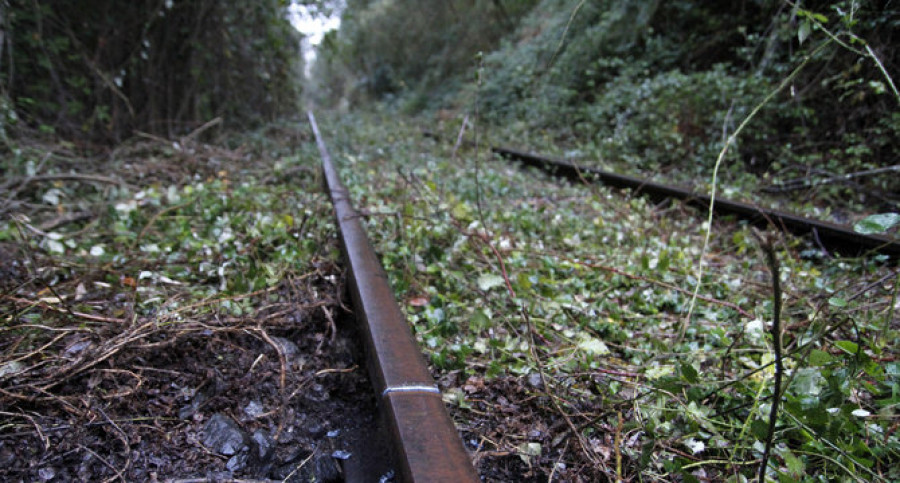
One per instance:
(768, 247)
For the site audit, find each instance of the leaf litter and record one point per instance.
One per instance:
(178, 320)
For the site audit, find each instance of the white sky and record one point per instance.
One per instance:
(313, 27)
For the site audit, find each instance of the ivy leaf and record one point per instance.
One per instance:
(656, 372)
(526, 451)
(593, 346)
(479, 320)
(837, 302)
(819, 358)
(523, 281)
(804, 30)
(695, 446)
(808, 382)
(689, 373)
(759, 429)
(794, 464)
(879, 223)
(11, 367)
(489, 281)
(51, 197)
(462, 211)
(54, 246)
(848, 346)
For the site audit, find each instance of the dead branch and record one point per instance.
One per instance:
(47, 306)
(768, 247)
(196, 132)
(92, 178)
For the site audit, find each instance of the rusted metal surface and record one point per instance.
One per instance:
(426, 443)
(829, 235)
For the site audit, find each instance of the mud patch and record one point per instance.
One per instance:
(516, 433)
(242, 401)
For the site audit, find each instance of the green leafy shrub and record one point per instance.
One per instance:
(672, 118)
(385, 48)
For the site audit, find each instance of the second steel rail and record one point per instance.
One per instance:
(831, 235)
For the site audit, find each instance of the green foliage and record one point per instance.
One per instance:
(654, 86)
(595, 272)
(648, 85)
(879, 223)
(387, 47)
(238, 228)
(100, 69)
(671, 118)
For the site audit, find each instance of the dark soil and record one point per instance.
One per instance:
(143, 414)
(94, 387)
(504, 415)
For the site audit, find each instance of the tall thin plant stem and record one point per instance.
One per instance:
(772, 261)
(715, 178)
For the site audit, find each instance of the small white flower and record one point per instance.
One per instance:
(695, 446)
(126, 207)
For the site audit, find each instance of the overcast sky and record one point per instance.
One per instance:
(313, 26)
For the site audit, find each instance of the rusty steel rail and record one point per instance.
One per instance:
(426, 443)
(831, 235)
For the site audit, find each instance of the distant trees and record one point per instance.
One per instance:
(392, 46)
(101, 68)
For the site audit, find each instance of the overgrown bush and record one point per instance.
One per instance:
(385, 48)
(673, 117)
(663, 83)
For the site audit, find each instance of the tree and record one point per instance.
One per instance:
(102, 68)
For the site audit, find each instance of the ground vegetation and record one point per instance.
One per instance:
(558, 319)
(180, 319)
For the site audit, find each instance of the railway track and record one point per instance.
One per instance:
(828, 235)
(424, 440)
